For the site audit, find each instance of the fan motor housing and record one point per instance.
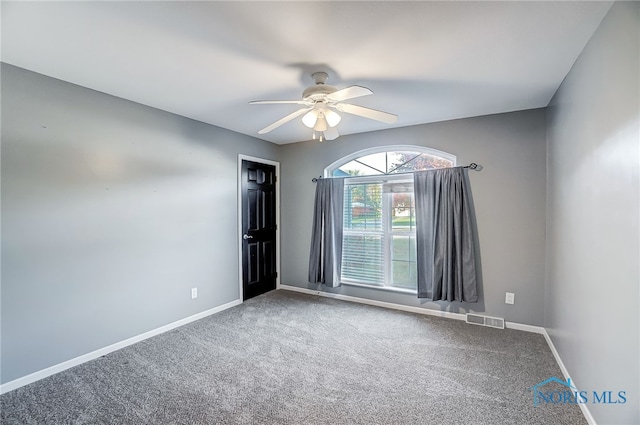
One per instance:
(318, 92)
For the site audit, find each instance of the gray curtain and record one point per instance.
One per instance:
(325, 258)
(444, 235)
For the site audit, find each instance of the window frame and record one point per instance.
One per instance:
(386, 231)
(386, 203)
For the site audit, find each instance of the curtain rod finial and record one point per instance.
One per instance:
(474, 166)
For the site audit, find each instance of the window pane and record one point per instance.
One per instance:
(363, 207)
(403, 274)
(402, 212)
(363, 258)
(399, 160)
(412, 248)
(423, 162)
(403, 264)
(377, 161)
(401, 247)
(355, 168)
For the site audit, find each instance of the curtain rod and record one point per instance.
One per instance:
(472, 166)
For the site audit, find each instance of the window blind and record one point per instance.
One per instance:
(363, 252)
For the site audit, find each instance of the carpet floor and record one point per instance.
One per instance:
(289, 358)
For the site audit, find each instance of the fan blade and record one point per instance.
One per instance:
(331, 133)
(269, 102)
(284, 120)
(367, 113)
(349, 93)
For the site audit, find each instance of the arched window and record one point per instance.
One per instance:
(388, 160)
(379, 227)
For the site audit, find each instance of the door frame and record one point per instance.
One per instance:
(242, 157)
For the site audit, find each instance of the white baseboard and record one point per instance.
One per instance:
(419, 310)
(447, 314)
(565, 373)
(52, 370)
(522, 327)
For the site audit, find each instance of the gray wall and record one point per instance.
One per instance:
(509, 196)
(591, 297)
(111, 212)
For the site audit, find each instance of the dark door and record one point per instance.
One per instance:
(258, 228)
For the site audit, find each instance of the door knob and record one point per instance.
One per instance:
(245, 237)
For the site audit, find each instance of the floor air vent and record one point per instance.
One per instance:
(492, 322)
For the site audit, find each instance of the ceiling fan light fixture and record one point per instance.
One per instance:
(322, 106)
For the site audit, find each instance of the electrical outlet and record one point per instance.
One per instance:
(194, 293)
(510, 298)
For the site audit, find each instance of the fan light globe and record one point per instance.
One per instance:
(333, 118)
(321, 123)
(309, 119)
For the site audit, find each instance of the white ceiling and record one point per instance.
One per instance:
(424, 61)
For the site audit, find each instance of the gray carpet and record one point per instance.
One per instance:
(288, 358)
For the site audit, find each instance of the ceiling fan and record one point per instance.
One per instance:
(321, 101)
